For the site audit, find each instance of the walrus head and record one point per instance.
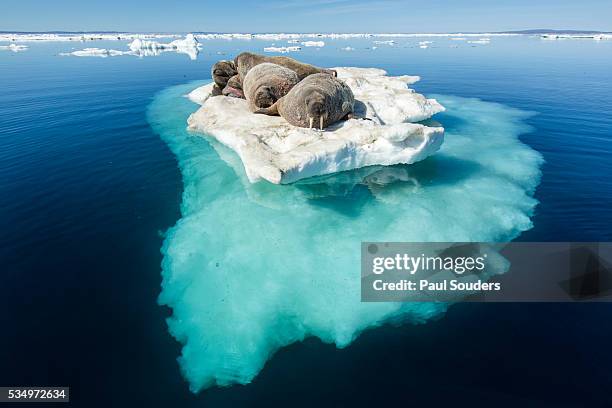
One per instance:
(264, 97)
(222, 71)
(316, 109)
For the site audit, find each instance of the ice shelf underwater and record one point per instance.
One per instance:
(273, 150)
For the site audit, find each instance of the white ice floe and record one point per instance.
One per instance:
(52, 37)
(387, 42)
(348, 49)
(458, 38)
(313, 44)
(145, 48)
(425, 44)
(189, 45)
(597, 37)
(273, 150)
(14, 47)
(283, 50)
(96, 52)
(35, 37)
(480, 41)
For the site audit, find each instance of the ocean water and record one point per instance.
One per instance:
(91, 187)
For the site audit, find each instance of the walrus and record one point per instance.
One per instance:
(221, 73)
(247, 60)
(266, 83)
(233, 88)
(319, 96)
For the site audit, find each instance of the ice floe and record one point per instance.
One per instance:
(189, 45)
(34, 37)
(597, 37)
(313, 44)
(283, 50)
(483, 41)
(96, 52)
(53, 37)
(425, 44)
(145, 48)
(275, 151)
(251, 268)
(14, 47)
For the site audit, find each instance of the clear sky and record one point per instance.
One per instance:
(304, 16)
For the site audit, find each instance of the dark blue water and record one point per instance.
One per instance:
(87, 190)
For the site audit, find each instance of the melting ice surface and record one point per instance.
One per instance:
(250, 268)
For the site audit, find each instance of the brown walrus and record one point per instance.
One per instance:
(247, 60)
(221, 73)
(320, 97)
(233, 88)
(266, 83)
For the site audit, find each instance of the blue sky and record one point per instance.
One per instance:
(301, 16)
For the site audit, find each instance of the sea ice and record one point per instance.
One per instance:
(189, 45)
(251, 268)
(14, 47)
(283, 50)
(96, 52)
(313, 44)
(483, 41)
(275, 151)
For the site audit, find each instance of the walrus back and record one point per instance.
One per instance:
(266, 83)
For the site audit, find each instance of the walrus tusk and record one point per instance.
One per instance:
(321, 121)
(310, 119)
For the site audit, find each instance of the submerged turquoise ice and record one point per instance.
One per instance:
(250, 268)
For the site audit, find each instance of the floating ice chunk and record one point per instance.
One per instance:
(347, 49)
(313, 44)
(387, 42)
(96, 52)
(47, 37)
(14, 47)
(597, 37)
(458, 38)
(251, 268)
(425, 44)
(282, 50)
(189, 45)
(273, 150)
(481, 41)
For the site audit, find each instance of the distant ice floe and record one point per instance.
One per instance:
(387, 42)
(95, 52)
(294, 37)
(597, 37)
(273, 150)
(425, 44)
(45, 37)
(14, 47)
(458, 38)
(145, 48)
(348, 49)
(483, 41)
(313, 44)
(189, 45)
(283, 50)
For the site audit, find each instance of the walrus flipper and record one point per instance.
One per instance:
(271, 111)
